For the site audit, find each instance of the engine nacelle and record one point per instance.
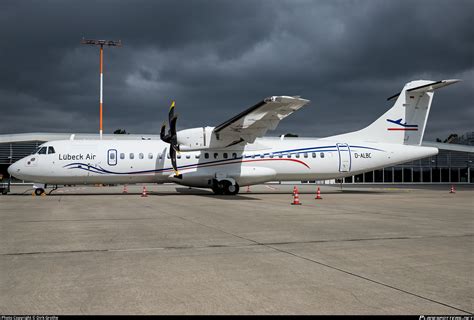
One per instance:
(194, 138)
(198, 139)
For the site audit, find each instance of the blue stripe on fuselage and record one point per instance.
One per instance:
(101, 170)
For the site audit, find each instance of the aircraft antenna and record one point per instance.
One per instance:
(101, 43)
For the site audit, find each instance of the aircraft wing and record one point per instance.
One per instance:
(257, 120)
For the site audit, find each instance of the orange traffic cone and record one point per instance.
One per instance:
(453, 190)
(125, 190)
(296, 197)
(144, 192)
(318, 194)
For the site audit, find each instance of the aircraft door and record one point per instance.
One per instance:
(112, 157)
(344, 152)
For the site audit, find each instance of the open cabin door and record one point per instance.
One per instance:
(344, 152)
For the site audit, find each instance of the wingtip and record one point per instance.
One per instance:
(452, 80)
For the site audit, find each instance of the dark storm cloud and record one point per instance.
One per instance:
(217, 58)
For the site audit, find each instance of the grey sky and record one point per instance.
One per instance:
(217, 58)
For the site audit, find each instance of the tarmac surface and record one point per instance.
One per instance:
(379, 250)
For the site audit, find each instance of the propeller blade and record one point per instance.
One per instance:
(171, 112)
(173, 125)
(165, 137)
(171, 138)
(173, 161)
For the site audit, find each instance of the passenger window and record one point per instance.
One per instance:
(271, 155)
(262, 156)
(280, 156)
(150, 156)
(122, 156)
(216, 155)
(321, 154)
(178, 156)
(305, 155)
(314, 154)
(297, 155)
(289, 155)
(234, 155)
(197, 156)
(42, 150)
(188, 156)
(131, 155)
(140, 155)
(206, 155)
(51, 150)
(225, 155)
(160, 156)
(112, 156)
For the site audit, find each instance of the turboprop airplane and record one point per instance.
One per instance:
(235, 153)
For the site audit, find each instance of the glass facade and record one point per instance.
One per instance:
(446, 167)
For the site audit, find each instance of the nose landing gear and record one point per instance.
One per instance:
(39, 191)
(39, 188)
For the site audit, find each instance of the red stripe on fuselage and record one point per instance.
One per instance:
(299, 161)
(205, 165)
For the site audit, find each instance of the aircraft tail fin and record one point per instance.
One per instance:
(405, 122)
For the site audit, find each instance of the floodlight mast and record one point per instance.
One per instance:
(101, 43)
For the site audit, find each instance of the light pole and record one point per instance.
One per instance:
(101, 43)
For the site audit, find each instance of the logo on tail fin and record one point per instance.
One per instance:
(402, 126)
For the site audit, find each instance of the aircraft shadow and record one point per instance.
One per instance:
(178, 192)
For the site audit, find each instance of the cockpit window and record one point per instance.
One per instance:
(42, 150)
(51, 150)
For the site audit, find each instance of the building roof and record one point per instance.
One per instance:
(46, 136)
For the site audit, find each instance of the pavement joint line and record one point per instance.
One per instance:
(334, 268)
(254, 243)
(368, 279)
(270, 246)
(86, 220)
(52, 252)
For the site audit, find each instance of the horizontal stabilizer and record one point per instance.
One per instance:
(428, 87)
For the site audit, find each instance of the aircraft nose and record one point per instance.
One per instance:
(12, 169)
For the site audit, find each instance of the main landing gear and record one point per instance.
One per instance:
(225, 187)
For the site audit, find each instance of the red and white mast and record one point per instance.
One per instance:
(101, 43)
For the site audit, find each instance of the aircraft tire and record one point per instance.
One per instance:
(39, 191)
(232, 189)
(228, 188)
(218, 189)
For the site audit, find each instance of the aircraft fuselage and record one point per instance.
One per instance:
(268, 159)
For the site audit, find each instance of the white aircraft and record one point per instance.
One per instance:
(235, 153)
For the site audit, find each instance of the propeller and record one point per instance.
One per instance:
(171, 138)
